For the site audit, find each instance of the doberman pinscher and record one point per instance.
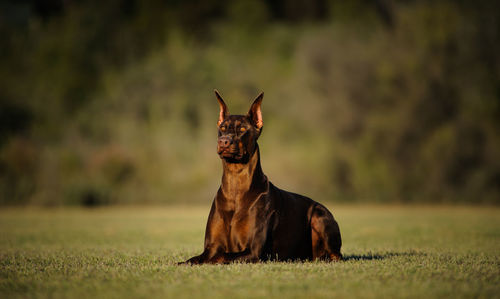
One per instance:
(251, 220)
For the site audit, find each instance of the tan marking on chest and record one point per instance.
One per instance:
(240, 233)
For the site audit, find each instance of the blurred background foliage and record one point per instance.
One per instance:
(111, 102)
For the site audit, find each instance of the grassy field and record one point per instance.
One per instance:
(391, 251)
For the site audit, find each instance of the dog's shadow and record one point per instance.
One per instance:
(379, 256)
(361, 257)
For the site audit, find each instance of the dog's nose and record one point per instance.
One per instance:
(224, 142)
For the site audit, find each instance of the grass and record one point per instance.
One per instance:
(391, 251)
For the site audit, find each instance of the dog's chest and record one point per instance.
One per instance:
(239, 233)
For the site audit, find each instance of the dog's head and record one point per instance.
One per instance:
(238, 134)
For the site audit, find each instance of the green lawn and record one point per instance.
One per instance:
(391, 251)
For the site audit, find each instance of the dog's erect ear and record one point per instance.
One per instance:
(255, 113)
(223, 108)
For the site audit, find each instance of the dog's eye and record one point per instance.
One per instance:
(243, 129)
(223, 129)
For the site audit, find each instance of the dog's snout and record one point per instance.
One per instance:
(224, 142)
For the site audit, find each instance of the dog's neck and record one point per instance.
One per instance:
(239, 178)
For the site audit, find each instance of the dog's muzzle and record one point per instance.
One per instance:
(226, 147)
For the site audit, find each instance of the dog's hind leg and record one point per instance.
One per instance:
(325, 235)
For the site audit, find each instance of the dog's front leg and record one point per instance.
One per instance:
(245, 256)
(209, 253)
(215, 236)
(199, 259)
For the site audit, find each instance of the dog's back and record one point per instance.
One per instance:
(298, 217)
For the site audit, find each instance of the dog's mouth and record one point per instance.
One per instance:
(229, 154)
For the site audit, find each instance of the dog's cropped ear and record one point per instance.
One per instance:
(255, 112)
(223, 108)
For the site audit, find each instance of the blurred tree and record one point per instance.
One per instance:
(108, 102)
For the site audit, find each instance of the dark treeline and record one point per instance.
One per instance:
(106, 102)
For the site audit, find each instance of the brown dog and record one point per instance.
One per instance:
(251, 219)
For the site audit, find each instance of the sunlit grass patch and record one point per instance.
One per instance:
(389, 251)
